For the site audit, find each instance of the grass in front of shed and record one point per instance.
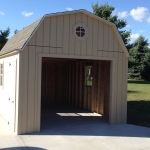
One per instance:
(138, 111)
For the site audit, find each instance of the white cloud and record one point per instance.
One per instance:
(2, 13)
(148, 19)
(27, 14)
(69, 9)
(139, 14)
(133, 37)
(141, 31)
(122, 14)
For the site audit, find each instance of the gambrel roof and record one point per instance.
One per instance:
(21, 39)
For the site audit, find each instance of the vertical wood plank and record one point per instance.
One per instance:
(95, 37)
(90, 36)
(102, 87)
(73, 83)
(119, 88)
(24, 89)
(85, 89)
(38, 83)
(53, 34)
(46, 37)
(115, 47)
(107, 88)
(84, 43)
(80, 84)
(99, 83)
(77, 83)
(31, 88)
(66, 35)
(124, 88)
(71, 37)
(111, 46)
(105, 52)
(89, 98)
(38, 92)
(100, 39)
(77, 42)
(69, 84)
(59, 34)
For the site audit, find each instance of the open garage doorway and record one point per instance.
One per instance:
(74, 92)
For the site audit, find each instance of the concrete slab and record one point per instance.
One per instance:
(77, 133)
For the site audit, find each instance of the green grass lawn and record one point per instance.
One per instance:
(138, 112)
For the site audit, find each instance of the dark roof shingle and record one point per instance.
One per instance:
(18, 40)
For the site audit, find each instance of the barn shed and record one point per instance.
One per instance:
(69, 58)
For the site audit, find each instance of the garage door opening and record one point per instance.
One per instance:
(74, 92)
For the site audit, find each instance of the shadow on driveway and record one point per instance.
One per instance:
(23, 148)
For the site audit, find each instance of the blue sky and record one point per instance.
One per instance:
(18, 14)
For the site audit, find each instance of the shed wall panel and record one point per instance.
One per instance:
(84, 43)
(46, 34)
(24, 90)
(60, 34)
(66, 35)
(55, 36)
(77, 42)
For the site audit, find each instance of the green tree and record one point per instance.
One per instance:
(137, 61)
(140, 48)
(105, 12)
(145, 74)
(4, 37)
(16, 31)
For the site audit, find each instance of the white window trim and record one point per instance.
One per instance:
(86, 31)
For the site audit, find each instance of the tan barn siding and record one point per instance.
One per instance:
(60, 40)
(57, 36)
(84, 43)
(60, 33)
(24, 90)
(29, 93)
(46, 35)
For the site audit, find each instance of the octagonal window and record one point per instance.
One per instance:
(80, 31)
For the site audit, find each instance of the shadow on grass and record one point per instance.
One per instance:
(138, 82)
(130, 92)
(138, 113)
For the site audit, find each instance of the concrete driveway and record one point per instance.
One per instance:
(92, 136)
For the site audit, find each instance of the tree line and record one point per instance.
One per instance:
(139, 50)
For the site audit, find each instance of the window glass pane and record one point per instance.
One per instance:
(82, 34)
(78, 34)
(80, 31)
(89, 77)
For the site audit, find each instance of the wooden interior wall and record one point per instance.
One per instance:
(54, 83)
(63, 81)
